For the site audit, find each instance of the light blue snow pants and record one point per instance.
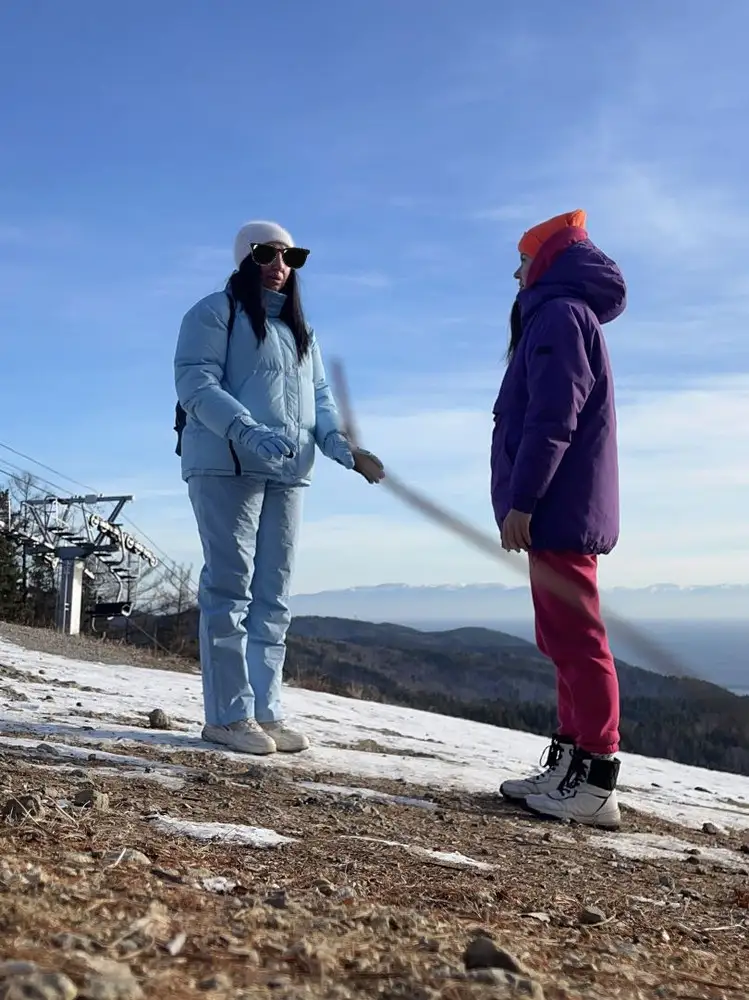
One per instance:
(248, 529)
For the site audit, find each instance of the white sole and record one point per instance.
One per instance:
(613, 826)
(243, 750)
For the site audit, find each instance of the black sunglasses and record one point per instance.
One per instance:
(265, 253)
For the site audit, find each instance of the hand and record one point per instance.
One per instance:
(266, 444)
(516, 532)
(339, 450)
(369, 466)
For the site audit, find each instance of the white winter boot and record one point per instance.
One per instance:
(586, 795)
(287, 740)
(555, 762)
(244, 737)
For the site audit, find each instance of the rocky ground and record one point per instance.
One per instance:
(403, 893)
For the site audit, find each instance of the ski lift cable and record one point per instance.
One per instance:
(12, 469)
(148, 635)
(638, 641)
(55, 472)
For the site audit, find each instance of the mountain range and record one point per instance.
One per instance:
(493, 603)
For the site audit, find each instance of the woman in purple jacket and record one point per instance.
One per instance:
(555, 493)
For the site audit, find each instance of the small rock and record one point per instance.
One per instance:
(73, 942)
(168, 875)
(278, 900)
(694, 859)
(324, 887)
(744, 848)
(78, 858)
(38, 986)
(691, 894)
(511, 984)
(590, 916)
(127, 856)
(158, 719)
(111, 980)
(430, 945)
(178, 942)
(89, 798)
(693, 852)
(345, 895)
(483, 953)
(480, 932)
(22, 806)
(667, 881)
(712, 829)
(218, 982)
(11, 968)
(625, 948)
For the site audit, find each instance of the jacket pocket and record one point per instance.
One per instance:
(262, 393)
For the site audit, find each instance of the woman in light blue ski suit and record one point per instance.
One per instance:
(251, 381)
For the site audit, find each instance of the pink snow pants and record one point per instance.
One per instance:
(572, 634)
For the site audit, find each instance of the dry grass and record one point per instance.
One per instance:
(355, 917)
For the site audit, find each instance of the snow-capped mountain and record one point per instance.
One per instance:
(493, 602)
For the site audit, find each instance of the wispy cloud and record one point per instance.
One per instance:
(353, 280)
(39, 235)
(194, 270)
(523, 212)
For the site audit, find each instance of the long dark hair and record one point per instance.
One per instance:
(516, 330)
(246, 287)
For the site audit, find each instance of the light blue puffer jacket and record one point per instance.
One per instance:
(221, 379)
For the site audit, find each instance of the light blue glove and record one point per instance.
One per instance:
(265, 443)
(337, 447)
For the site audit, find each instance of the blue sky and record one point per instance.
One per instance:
(409, 145)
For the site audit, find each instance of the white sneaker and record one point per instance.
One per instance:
(556, 762)
(244, 737)
(286, 740)
(587, 795)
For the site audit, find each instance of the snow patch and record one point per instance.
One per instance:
(660, 847)
(225, 833)
(345, 791)
(448, 858)
(219, 884)
(480, 756)
(170, 776)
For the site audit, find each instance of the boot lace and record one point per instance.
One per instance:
(552, 755)
(576, 775)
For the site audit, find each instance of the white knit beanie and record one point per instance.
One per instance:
(258, 232)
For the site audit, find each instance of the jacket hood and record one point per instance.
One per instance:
(584, 272)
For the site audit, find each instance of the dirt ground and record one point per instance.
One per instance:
(107, 898)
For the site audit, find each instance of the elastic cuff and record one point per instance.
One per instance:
(238, 424)
(526, 505)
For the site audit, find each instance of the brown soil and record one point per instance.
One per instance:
(347, 910)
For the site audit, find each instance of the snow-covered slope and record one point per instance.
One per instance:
(69, 700)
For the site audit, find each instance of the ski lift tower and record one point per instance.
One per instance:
(73, 544)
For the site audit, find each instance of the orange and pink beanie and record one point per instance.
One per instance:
(532, 241)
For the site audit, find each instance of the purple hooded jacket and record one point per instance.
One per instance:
(554, 451)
